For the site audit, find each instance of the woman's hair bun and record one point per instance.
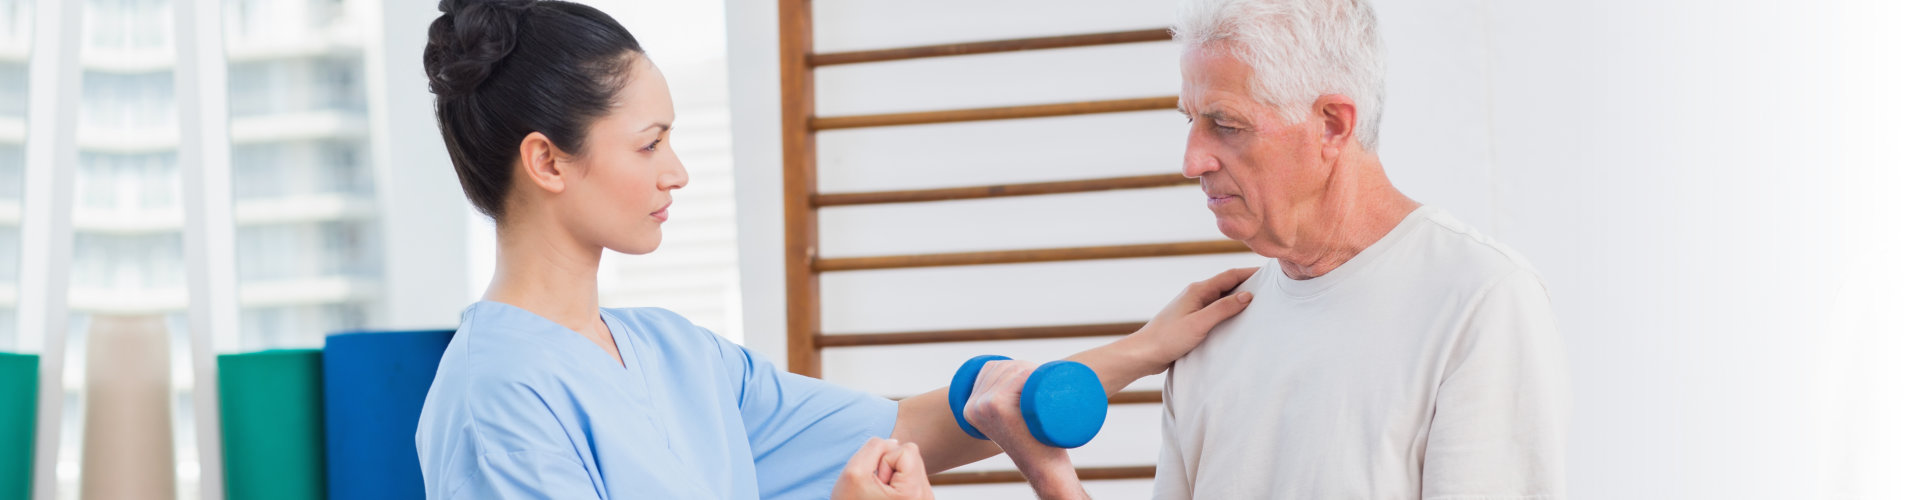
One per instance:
(469, 40)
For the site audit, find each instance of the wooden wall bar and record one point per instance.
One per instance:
(1002, 190)
(1027, 256)
(1013, 476)
(988, 47)
(995, 113)
(802, 202)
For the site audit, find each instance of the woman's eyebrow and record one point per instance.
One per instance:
(662, 126)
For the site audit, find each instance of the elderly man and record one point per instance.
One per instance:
(1390, 350)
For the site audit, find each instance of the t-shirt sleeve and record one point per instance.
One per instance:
(802, 430)
(1170, 481)
(1500, 418)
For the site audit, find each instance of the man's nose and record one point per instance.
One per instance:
(1198, 162)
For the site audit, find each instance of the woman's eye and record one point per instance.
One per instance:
(652, 146)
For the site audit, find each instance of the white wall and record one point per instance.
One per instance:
(1697, 182)
(425, 227)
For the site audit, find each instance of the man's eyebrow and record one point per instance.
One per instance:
(1219, 116)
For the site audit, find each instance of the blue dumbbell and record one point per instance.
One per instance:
(1063, 402)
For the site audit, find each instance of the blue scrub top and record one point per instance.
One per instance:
(525, 408)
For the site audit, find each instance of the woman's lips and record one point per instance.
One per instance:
(661, 214)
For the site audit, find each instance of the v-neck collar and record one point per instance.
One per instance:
(617, 333)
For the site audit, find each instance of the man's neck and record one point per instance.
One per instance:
(548, 274)
(1356, 216)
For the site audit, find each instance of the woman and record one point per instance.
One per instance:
(560, 130)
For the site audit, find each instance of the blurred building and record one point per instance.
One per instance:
(306, 219)
(15, 46)
(304, 225)
(127, 213)
(344, 212)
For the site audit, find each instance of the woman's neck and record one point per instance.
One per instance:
(547, 273)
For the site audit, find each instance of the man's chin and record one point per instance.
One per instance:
(1236, 230)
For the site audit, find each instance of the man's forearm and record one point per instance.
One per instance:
(1055, 480)
(928, 421)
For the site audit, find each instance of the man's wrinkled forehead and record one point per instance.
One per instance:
(1212, 82)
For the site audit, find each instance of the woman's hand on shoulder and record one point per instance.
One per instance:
(884, 469)
(1190, 317)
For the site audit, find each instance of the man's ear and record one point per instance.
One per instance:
(1339, 120)
(539, 159)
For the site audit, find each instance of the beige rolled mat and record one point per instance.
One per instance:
(127, 450)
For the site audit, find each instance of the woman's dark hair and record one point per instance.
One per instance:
(502, 69)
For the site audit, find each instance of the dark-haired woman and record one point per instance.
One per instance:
(560, 129)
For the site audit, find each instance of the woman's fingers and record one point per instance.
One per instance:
(1222, 309)
(911, 471)
(888, 463)
(1218, 285)
(1230, 278)
(867, 459)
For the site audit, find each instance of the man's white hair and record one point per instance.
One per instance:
(1299, 50)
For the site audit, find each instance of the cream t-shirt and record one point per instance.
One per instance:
(1427, 367)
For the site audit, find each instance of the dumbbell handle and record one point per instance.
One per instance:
(1063, 402)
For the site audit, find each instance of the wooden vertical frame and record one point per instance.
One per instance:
(799, 186)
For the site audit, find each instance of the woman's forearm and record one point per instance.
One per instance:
(927, 420)
(1120, 362)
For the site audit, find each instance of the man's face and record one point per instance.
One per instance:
(1258, 171)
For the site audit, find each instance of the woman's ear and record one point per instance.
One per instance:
(539, 160)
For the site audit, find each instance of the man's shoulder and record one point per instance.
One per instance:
(1469, 255)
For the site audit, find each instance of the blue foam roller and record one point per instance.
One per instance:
(962, 387)
(1063, 404)
(376, 383)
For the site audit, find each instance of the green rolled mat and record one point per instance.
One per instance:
(272, 425)
(19, 402)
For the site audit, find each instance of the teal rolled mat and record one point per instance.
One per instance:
(19, 402)
(272, 425)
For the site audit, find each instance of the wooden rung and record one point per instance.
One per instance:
(1001, 190)
(1013, 476)
(1118, 398)
(976, 335)
(1023, 256)
(1134, 398)
(988, 47)
(1001, 113)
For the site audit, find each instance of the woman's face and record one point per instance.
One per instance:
(620, 184)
